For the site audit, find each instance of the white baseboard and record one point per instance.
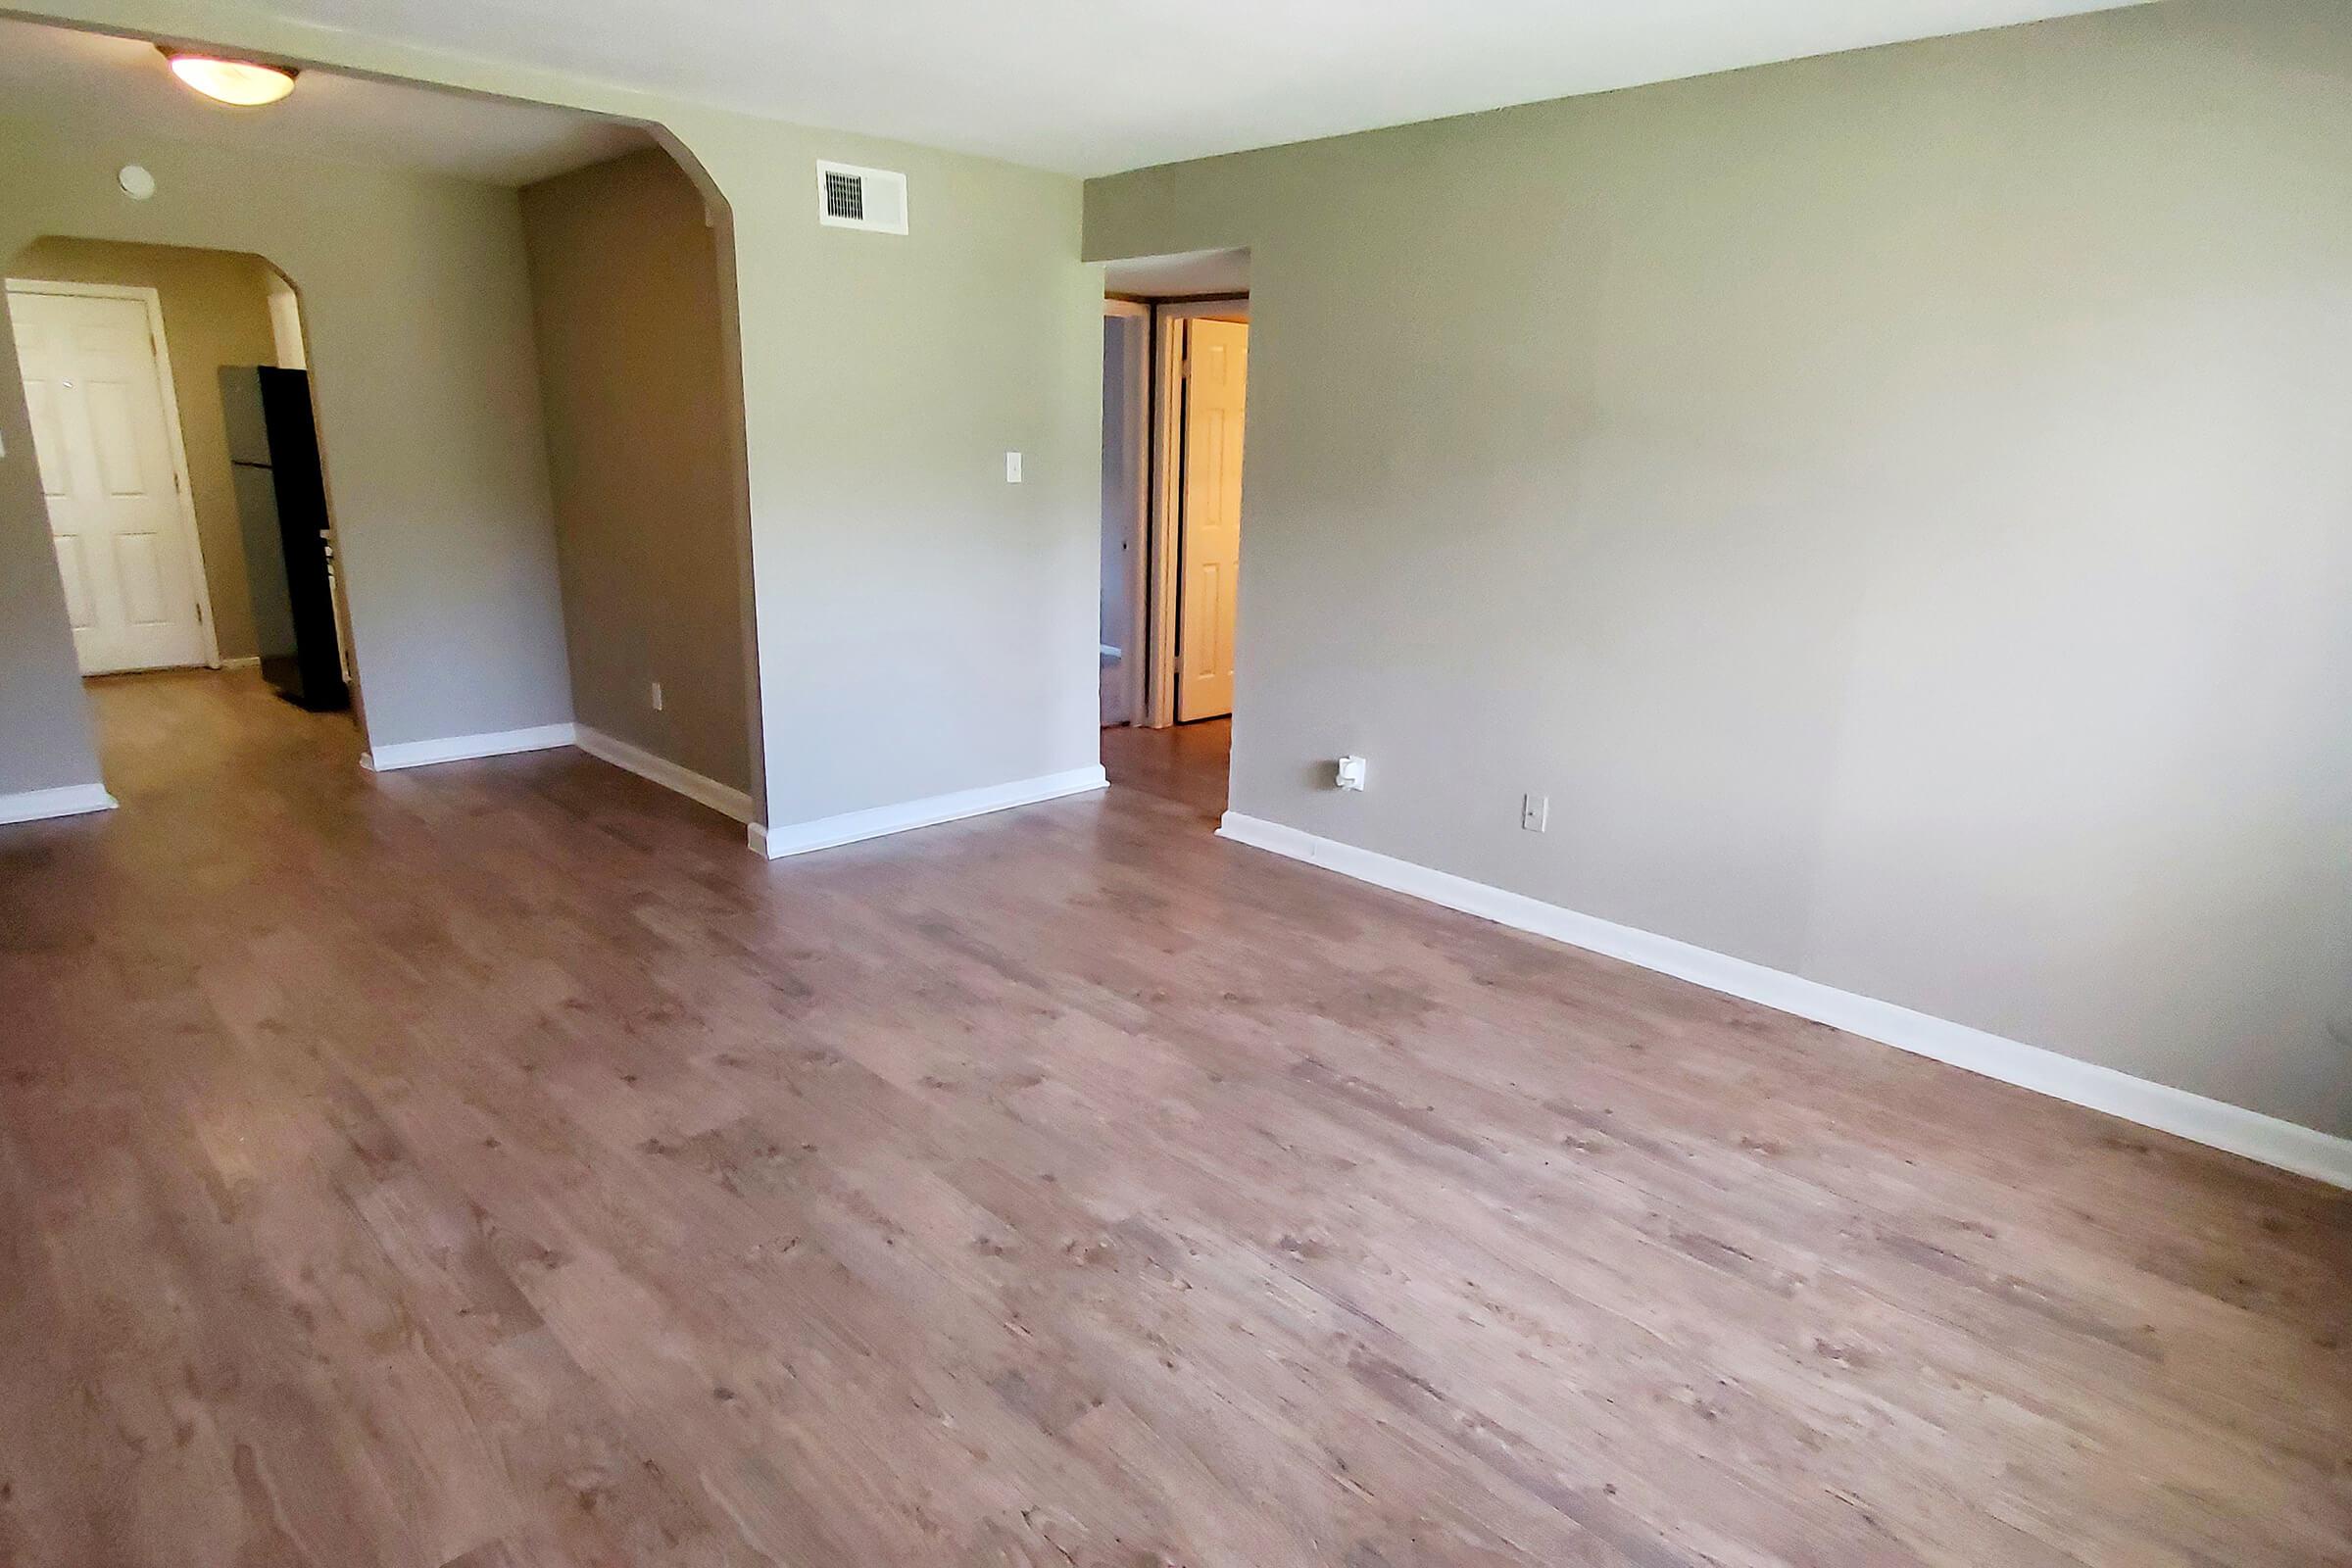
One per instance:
(825, 833)
(459, 747)
(720, 798)
(70, 800)
(2287, 1145)
(249, 661)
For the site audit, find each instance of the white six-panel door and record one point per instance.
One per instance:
(1216, 402)
(104, 435)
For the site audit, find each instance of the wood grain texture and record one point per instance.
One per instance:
(495, 1165)
(1186, 764)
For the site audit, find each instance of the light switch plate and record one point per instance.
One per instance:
(1013, 468)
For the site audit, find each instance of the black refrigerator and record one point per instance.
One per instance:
(281, 508)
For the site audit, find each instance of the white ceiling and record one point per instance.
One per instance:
(1091, 86)
(123, 84)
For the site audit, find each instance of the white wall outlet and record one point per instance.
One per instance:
(1350, 771)
(1535, 812)
(1013, 468)
(653, 695)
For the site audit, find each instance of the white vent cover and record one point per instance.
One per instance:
(850, 197)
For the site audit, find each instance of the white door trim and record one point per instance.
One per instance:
(1165, 505)
(1158, 710)
(180, 451)
(1135, 653)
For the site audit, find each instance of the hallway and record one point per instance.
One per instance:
(1186, 764)
(496, 1164)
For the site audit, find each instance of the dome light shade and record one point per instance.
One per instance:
(240, 82)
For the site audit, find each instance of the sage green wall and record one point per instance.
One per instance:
(922, 626)
(625, 285)
(418, 309)
(45, 739)
(216, 308)
(1897, 506)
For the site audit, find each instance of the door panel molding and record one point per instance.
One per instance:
(1169, 320)
(1209, 536)
(184, 509)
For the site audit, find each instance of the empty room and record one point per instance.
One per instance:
(1392, 787)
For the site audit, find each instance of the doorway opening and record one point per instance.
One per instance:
(168, 394)
(531, 425)
(1175, 389)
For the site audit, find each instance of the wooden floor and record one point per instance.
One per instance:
(1185, 763)
(495, 1164)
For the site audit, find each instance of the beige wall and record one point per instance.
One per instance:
(624, 282)
(923, 626)
(1897, 506)
(45, 739)
(418, 309)
(216, 308)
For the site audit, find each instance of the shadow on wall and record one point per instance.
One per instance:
(638, 372)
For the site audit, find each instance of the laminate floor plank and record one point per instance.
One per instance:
(496, 1166)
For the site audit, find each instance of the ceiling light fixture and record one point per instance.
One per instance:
(242, 83)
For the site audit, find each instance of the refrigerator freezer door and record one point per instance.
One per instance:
(264, 560)
(241, 411)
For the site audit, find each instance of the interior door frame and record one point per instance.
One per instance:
(190, 535)
(1164, 557)
(1135, 656)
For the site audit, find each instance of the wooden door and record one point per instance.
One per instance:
(102, 435)
(1215, 408)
